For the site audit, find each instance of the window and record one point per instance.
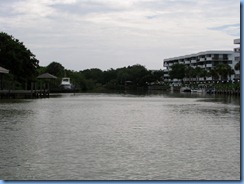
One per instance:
(229, 62)
(237, 58)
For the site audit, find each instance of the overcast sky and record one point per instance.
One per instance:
(82, 34)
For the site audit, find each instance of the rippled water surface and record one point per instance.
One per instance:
(120, 137)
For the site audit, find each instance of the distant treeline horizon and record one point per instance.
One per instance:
(135, 76)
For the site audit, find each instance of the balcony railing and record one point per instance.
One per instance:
(202, 59)
(208, 78)
(237, 76)
(201, 66)
(187, 62)
(236, 49)
(209, 58)
(193, 61)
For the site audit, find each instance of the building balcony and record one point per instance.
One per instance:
(209, 65)
(166, 75)
(237, 50)
(209, 58)
(193, 61)
(209, 78)
(237, 76)
(237, 58)
(202, 59)
(186, 79)
(201, 79)
(187, 62)
(236, 41)
(166, 64)
(220, 59)
(201, 66)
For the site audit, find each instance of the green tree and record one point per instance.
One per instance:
(178, 71)
(214, 74)
(224, 70)
(123, 76)
(237, 66)
(94, 74)
(190, 72)
(155, 75)
(56, 69)
(109, 75)
(136, 73)
(200, 72)
(20, 61)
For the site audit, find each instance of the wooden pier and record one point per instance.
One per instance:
(35, 89)
(24, 94)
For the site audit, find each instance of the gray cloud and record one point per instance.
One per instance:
(231, 29)
(82, 34)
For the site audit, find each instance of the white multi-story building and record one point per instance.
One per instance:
(206, 60)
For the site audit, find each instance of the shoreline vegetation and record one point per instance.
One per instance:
(24, 68)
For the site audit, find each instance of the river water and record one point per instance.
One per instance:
(121, 137)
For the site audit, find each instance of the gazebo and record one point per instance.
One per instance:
(47, 76)
(2, 71)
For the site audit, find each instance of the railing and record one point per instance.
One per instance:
(202, 59)
(209, 58)
(187, 62)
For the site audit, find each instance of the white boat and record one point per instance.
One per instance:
(65, 83)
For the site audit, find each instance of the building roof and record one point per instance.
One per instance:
(46, 76)
(201, 53)
(3, 70)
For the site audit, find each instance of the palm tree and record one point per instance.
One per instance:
(214, 74)
(199, 72)
(177, 72)
(237, 66)
(189, 72)
(224, 70)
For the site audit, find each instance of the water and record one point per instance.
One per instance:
(120, 137)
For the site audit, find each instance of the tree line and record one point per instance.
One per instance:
(132, 77)
(24, 68)
(219, 72)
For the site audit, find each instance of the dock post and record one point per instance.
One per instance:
(31, 89)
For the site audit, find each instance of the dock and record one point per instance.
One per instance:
(12, 94)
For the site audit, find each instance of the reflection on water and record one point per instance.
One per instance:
(121, 137)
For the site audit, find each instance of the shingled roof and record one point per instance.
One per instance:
(46, 76)
(3, 70)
